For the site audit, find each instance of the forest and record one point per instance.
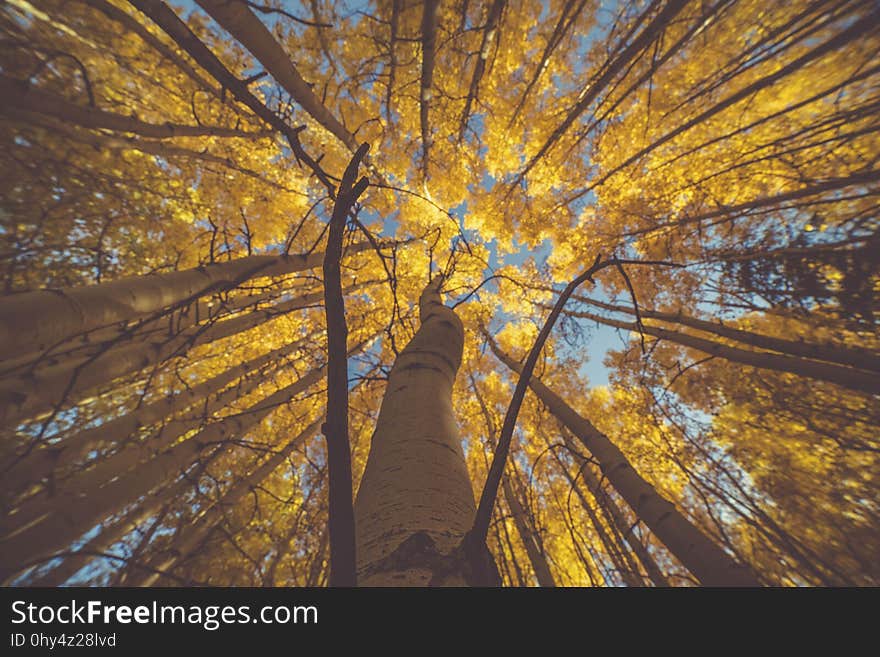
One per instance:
(557, 293)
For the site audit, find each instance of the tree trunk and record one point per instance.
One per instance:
(145, 330)
(843, 355)
(615, 551)
(236, 18)
(426, 91)
(415, 500)
(711, 565)
(56, 386)
(133, 456)
(536, 557)
(23, 470)
(31, 99)
(133, 26)
(847, 377)
(192, 536)
(69, 518)
(112, 533)
(623, 526)
(34, 321)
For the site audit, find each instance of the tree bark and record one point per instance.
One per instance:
(847, 377)
(343, 566)
(34, 321)
(57, 459)
(536, 557)
(711, 565)
(236, 18)
(415, 500)
(429, 44)
(53, 387)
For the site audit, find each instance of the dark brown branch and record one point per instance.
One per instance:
(489, 37)
(341, 514)
(429, 43)
(480, 527)
(263, 9)
(164, 17)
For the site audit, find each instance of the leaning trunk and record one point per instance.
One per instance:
(706, 560)
(415, 501)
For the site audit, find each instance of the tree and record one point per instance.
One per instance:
(411, 228)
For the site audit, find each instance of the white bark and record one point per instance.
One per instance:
(416, 481)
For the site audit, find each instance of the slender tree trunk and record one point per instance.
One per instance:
(847, 377)
(31, 99)
(503, 568)
(711, 565)
(340, 511)
(851, 356)
(631, 576)
(415, 500)
(319, 562)
(489, 33)
(610, 70)
(169, 323)
(520, 580)
(112, 533)
(133, 456)
(56, 459)
(536, 557)
(622, 525)
(170, 22)
(426, 91)
(132, 25)
(69, 518)
(236, 18)
(524, 523)
(192, 536)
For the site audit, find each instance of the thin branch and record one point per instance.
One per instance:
(343, 570)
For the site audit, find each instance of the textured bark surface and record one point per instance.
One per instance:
(415, 501)
(36, 320)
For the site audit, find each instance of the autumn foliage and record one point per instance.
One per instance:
(172, 183)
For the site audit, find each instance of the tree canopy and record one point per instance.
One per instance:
(170, 179)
